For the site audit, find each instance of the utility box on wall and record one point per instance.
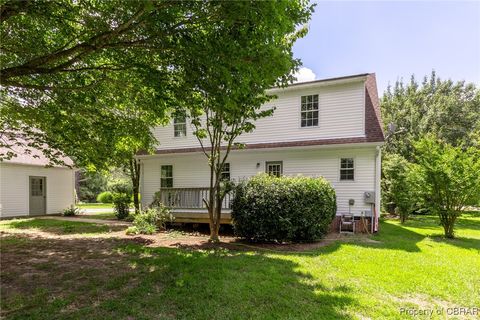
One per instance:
(369, 196)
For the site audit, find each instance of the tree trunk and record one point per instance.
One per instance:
(135, 177)
(447, 220)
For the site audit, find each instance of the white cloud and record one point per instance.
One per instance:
(304, 74)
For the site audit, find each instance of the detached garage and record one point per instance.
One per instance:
(29, 188)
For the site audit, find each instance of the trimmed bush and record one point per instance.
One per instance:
(105, 197)
(121, 204)
(268, 208)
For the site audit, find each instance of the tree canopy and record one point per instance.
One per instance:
(90, 78)
(446, 109)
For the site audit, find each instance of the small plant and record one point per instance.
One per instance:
(149, 221)
(121, 203)
(105, 197)
(72, 211)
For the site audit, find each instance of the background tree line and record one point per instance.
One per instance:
(431, 157)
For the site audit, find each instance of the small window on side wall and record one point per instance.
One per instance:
(166, 177)
(225, 175)
(347, 169)
(180, 126)
(275, 168)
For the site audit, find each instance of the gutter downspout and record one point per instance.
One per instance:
(378, 177)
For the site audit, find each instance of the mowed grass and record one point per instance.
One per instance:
(410, 266)
(56, 227)
(107, 215)
(95, 206)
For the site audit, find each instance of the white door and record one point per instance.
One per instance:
(38, 195)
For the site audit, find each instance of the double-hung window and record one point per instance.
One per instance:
(275, 168)
(347, 169)
(225, 174)
(166, 176)
(180, 125)
(309, 111)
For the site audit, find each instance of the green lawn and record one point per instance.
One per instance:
(95, 206)
(404, 266)
(57, 227)
(107, 215)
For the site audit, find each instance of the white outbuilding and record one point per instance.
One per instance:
(29, 188)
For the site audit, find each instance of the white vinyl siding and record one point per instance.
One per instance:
(14, 188)
(191, 169)
(341, 114)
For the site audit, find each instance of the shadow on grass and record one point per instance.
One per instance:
(118, 279)
(61, 227)
(399, 237)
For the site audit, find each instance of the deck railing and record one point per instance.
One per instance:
(189, 198)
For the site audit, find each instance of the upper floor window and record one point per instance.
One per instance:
(274, 168)
(180, 126)
(347, 169)
(166, 176)
(225, 174)
(309, 111)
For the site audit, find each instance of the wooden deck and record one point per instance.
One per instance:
(187, 205)
(198, 216)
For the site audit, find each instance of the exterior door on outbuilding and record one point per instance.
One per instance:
(37, 195)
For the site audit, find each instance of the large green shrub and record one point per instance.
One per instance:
(268, 208)
(121, 204)
(105, 197)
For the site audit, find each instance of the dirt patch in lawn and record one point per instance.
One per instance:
(36, 268)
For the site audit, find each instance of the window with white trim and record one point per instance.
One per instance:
(309, 111)
(347, 169)
(166, 176)
(180, 126)
(225, 174)
(275, 168)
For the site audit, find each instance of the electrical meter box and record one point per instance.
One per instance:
(369, 196)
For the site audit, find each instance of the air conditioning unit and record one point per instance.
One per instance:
(369, 196)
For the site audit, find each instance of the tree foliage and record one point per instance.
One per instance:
(445, 109)
(449, 178)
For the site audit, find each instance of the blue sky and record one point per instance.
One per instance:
(392, 39)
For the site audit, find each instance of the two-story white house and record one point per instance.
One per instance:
(330, 128)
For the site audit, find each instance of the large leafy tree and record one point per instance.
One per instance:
(448, 179)
(227, 80)
(85, 77)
